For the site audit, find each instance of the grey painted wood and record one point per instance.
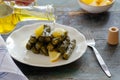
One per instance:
(87, 67)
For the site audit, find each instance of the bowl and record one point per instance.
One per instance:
(95, 8)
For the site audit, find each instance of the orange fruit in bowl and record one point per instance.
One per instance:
(87, 1)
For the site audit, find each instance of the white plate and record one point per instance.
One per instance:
(16, 43)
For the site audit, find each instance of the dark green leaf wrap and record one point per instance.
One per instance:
(64, 45)
(38, 45)
(57, 40)
(44, 50)
(46, 37)
(29, 46)
(50, 47)
(32, 39)
(70, 49)
(34, 50)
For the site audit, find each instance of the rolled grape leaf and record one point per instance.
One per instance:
(70, 49)
(64, 45)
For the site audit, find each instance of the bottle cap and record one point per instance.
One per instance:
(113, 36)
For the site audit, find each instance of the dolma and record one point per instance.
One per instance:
(70, 49)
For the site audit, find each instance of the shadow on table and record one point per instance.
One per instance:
(65, 69)
(111, 49)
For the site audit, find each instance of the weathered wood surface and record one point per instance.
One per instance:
(87, 67)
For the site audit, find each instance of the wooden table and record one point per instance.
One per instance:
(87, 67)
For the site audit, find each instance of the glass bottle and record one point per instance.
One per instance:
(23, 13)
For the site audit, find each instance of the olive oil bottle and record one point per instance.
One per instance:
(8, 23)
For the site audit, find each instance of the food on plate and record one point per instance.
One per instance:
(64, 45)
(58, 32)
(54, 43)
(39, 31)
(45, 36)
(28, 45)
(98, 2)
(70, 49)
(54, 55)
(59, 35)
